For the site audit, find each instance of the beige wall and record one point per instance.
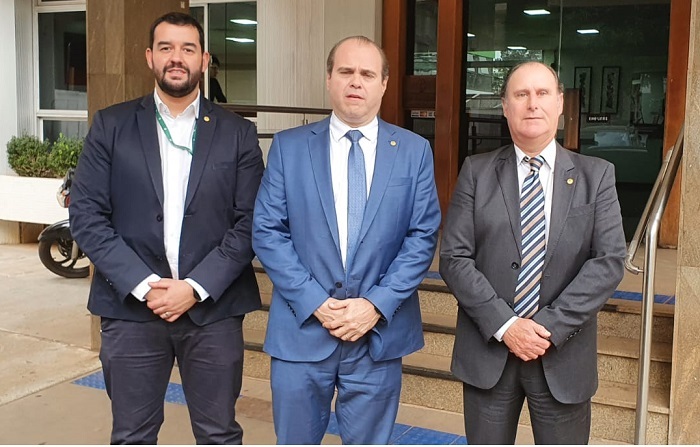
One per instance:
(294, 38)
(685, 381)
(240, 86)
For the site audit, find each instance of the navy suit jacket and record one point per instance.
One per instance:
(116, 211)
(480, 258)
(295, 237)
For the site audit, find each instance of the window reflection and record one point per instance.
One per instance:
(62, 61)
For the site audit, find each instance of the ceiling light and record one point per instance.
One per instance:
(587, 31)
(240, 39)
(470, 35)
(244, 21)
(516, 47)
(536, 12)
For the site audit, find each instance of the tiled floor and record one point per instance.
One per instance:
(44, 349)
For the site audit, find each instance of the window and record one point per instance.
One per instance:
(61, 69)
(231, 36)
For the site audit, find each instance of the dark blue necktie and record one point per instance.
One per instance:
(357, 193)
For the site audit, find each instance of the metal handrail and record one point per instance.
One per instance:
(650, 224)
(249, 110)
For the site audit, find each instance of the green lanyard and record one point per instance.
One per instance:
(167, 133)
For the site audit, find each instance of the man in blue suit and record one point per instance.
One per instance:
(345, 225)
(162, 203)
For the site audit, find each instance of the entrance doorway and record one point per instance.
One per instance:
(614, 52)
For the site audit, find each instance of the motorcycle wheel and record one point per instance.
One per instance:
(55, 254)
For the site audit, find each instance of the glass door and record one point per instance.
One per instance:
(614, 53)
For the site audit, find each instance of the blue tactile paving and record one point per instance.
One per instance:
(401, 435)
(333, 425)
(173, 395)
(636, 296)
(425, 436)
(433, 275)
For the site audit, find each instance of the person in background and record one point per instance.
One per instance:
(216, 93)
(162, 204)
(532, 248)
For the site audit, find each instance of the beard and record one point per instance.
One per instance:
(177, 89)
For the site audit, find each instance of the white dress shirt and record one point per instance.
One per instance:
(547, 179)
(339, 151)
(175, 166)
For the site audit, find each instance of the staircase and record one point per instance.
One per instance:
(427, 381)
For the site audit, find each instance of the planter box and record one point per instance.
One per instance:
(30, 199)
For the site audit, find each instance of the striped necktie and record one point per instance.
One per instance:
(532, 225)
(357, 194)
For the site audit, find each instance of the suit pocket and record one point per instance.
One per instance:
(400, 181)
(582, 210)
(224, 165)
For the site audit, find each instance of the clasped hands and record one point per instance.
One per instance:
(527, 339)
(170, 298)
(347, 319)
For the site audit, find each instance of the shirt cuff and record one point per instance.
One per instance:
(200, 290)
(502, 331)
(143, 288)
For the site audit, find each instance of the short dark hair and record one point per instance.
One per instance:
(179, 19)
(504, 87)
(360, 39)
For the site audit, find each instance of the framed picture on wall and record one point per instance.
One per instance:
(582, 81)
(610, 90)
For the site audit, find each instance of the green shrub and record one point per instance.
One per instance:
(30, 157)
(64, 154)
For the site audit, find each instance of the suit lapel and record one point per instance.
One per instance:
(383, 165)
(206, 124)
(564, 183)
(319, 151)
(146, 119)
(507, 175)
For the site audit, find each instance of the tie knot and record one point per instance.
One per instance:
(354, 135)
(535, 163)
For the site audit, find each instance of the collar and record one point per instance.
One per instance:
(164, 110)
(338, 129)
(549, 154)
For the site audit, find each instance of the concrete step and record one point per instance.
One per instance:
(428, 383)
(617, 359)
(618, 318)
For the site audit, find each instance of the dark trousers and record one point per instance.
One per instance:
(491, 416)
(137, 360)
(366, 406)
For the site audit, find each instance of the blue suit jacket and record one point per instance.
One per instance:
(116, 211)
(295, 236)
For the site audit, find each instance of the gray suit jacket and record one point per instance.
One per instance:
(480, 260)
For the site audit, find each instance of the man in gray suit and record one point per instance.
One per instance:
(532, 248)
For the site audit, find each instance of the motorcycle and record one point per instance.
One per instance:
(57, 250)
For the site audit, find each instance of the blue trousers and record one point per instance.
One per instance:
(137, 359)
(367, 402)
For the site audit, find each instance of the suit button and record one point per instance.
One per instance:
(159, 218)
(338, 285)
(514, 265)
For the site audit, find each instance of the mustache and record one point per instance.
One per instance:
(176, 65)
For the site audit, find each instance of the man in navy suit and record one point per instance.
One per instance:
(345, 225)
(162, 203)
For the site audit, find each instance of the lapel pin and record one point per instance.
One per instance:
(569, 181)
(393, 142)
(206, 118)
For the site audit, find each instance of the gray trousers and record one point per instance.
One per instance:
(137, 360)
(491, 416)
